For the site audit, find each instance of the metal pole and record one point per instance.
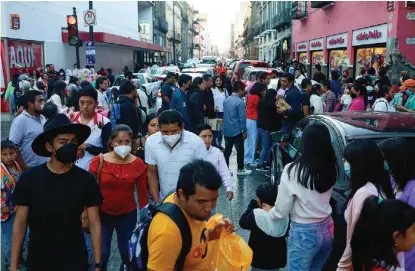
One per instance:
(174, 36)
(91, 28)
(78, 63)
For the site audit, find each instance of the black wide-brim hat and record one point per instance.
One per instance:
(60, 124)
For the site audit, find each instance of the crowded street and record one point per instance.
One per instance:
(201, 136)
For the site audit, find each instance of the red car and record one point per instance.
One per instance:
(240, 66)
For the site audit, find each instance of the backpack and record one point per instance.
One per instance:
(115, 114)
(137, 246)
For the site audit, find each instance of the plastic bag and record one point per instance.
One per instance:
(230, 252)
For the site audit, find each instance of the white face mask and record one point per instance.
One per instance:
(171, 140)
(122, 151)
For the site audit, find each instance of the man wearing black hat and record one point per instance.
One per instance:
(50, 199)
(167, 90)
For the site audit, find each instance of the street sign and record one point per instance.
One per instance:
(90, 17)
(90, 53)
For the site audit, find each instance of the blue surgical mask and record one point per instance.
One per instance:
(386, 166)
(347, 168)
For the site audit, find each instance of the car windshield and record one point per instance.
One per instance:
(158, 71)
(243, 66)
(141, 79)
(209, 61)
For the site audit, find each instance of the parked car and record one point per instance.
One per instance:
(160, 73)
(190, 62)
(201, 70)
(344, 127)
(209, 60)
(249, 76)
(240, 66)
(149, 85)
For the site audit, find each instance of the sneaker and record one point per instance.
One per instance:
(261, 168)
(243, 172)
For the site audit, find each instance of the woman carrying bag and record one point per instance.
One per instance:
(119, 174)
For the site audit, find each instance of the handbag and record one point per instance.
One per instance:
(84, 215)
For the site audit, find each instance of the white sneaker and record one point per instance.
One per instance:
(243, 172)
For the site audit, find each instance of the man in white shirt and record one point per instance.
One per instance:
(216, 157)
(167, 151)
(382, 104)
(298, 77)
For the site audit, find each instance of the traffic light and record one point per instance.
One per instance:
(73, 38)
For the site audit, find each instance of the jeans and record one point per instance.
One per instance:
(238, 141)
(88, 243)
(6, 239)
(309, 245)
(266, 143)
(217, 142)
(250, 142)
(124, 225)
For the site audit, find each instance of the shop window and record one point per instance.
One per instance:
(339, 60)
(302, 58)
(370, 57)
(317, 57)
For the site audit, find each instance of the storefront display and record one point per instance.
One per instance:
(370, 44)
(317, 57)
(302, 58)
(301, 49)
(339, 60)
(370, 57)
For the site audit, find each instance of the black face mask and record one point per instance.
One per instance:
(67, 154)
(353, 95)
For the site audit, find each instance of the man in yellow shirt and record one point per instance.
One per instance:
(196, 195)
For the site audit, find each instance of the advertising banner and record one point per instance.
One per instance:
(24, 55)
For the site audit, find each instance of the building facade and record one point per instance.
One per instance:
(174, 34)
(160, 28)
(355, 36)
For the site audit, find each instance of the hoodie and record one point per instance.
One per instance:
(267, 239)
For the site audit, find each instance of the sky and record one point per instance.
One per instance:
(220, 15)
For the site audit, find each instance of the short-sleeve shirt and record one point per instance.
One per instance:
(165, 242)
(24, 129)
(166, 90)
(55, 203)
(168, 161)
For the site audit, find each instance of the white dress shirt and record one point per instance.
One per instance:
(215, 156)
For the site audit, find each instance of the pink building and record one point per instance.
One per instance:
(355, 35)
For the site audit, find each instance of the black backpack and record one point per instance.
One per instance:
(140, 235)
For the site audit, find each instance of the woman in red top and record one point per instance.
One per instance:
(252, 101)
(384, 228)
(120, 175)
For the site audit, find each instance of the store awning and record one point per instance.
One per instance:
(107, 38)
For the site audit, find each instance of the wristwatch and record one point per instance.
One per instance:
(98, 265)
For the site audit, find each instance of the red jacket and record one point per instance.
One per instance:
(252, 107)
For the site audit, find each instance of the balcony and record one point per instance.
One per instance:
(283, 18)
(299, 10)
(161, 25)
(321, 4)
(176, 38)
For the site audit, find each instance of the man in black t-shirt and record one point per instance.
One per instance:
(305, 97)
(318, 75)
(50, 199)
(167, 90)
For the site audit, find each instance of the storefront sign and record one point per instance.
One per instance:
(90, 53)
(410, 40)
(410, 16)
(370, 35)
(316, 44)
(302, 47)
(390, 6)
(24, 55)
(14, 21)
(410, 4)
(337, 41)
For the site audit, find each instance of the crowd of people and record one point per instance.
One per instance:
(82, 159)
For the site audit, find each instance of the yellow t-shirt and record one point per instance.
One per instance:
(165, 243)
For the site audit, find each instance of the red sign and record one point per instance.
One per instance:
(335, 41)
(368, 36)
(302, 46)
(316, 44)
(24, 55)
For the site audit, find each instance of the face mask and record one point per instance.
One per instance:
(171, 140)
(122, 151)
(353, 95)
(67, 154)
(347, 169)
(386, 166)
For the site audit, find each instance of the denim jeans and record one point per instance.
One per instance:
(309, 245)
(6, 239)
(238, 141)
(217, 142)
(266, 142)
(250, 141)
(124, 225)
(88, 243)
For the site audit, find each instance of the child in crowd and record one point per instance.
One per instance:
(267, 238)
(346, 99)
(215, 156)
(10, 173)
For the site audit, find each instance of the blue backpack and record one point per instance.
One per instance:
(137, 246)
(115, 114)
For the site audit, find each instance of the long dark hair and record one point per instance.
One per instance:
(214, 82)
(116, 130)
(317, 168)
(367, 165)
(195, 84)
(257, 88)
(372, 241)
(59, 89)
(400, 156)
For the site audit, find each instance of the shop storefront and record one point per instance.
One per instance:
(337, 52)
(370, 47)
(302, 54)
(317, 55)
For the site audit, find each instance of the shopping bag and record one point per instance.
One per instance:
(230, 252)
